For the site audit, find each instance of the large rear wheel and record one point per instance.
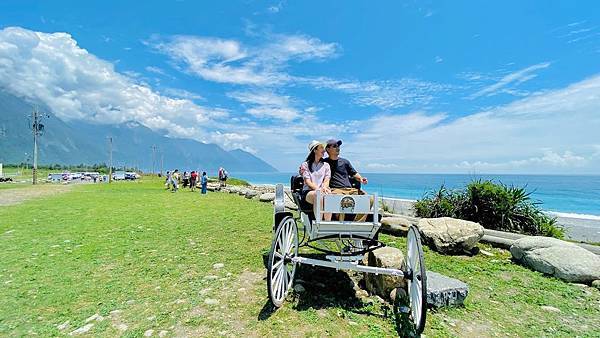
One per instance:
(281, 268)
(417, 283)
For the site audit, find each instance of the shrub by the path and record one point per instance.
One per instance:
(493, 205)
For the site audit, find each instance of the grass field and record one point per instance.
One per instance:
(144, 259)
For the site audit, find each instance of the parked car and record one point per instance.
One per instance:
(130, 175)
(118, 175)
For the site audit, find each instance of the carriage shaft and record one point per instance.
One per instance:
(348, 266)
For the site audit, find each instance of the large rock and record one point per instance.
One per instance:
(445, 291)
(397, 226)
(251, 194)
(233, 189)
(386, 257)
(289, 204)
(267, 197)
(450, 235)
(561, 259)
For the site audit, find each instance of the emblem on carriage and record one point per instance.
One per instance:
(347, 204)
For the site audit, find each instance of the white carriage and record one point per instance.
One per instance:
(343, 242)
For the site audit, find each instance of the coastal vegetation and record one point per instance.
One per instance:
(183, 263)
(493, 205)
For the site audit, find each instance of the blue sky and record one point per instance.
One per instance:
(444, 86)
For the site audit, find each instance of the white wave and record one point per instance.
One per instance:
(573, 215)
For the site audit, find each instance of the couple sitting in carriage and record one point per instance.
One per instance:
(331, 175)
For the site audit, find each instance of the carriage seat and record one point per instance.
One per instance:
(296, 185)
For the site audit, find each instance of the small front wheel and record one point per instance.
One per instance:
(281, 268)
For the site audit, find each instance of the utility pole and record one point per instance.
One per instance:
(162, 157)
(110, 159)
(153, 159)
(37, 128)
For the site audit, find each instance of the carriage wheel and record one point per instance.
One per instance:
(417, 284)
(281, 270)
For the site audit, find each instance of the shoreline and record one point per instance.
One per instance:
(579, 227)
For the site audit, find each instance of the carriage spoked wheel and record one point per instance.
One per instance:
(281, 268)
(417, 281)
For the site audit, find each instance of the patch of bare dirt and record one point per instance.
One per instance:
(472, 329)
(16, 196)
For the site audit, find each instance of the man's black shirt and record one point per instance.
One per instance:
(341, 170)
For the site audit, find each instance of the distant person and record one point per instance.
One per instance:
(168, 180)
(186, 179)
(341, 173)
(193, 180)
(175, 179)
(204, 182)
(316, 174)
(222, 177)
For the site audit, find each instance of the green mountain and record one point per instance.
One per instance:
(74, 142)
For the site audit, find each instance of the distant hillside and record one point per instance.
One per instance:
(74, 142)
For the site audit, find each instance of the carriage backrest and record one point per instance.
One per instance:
(296, 183)
(347, 204)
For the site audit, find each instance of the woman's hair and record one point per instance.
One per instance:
(310, 159)
(204, 173)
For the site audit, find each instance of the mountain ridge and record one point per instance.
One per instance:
(76, 141)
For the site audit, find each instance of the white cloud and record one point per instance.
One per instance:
(514, 78)
(75, 84)
(266, 104)
(286, 114)
(276, 8)
(262, 97)
(383, 94)
(549, 158)
(550, 132)
(155, 70)
(182, 94)
(227, 61)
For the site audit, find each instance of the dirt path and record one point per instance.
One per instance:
(18, 195)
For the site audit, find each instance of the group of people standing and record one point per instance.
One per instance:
(175, 179)
(329, 175)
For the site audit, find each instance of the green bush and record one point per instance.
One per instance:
(493, 205)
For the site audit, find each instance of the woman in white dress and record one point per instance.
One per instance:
(316, 174)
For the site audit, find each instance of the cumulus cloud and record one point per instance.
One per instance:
(75, 84)
(554, 131)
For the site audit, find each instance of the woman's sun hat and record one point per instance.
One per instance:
(313, 144)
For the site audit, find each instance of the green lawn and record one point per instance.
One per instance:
(149, 254)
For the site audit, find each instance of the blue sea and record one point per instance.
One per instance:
(565, 196)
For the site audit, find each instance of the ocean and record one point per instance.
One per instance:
(575, 200)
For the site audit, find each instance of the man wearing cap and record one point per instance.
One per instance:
(341, 172)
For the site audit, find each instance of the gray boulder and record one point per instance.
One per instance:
(450, 235)
(561, 259)
(386, 257)
(251, 194)
(289, 204)
(397, 226)
(445, 291)
(233, 189)
(267, 197)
